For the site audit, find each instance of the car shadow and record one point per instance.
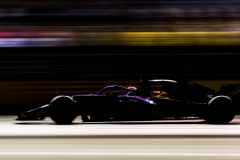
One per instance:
(127, 122)
(35, 123)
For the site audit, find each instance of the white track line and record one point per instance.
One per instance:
(114, 154)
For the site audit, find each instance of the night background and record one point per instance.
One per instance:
(78, 47)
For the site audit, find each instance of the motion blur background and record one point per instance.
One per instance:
(81, 46)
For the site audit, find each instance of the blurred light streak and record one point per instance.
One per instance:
(82, 21)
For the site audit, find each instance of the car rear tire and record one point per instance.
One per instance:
(220, 110)
(62, 110)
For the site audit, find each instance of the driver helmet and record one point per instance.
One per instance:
(131, 88)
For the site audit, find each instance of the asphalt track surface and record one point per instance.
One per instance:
(165, 139)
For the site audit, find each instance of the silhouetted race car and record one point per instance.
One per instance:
(155, 100)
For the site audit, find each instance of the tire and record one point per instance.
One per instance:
(220, 110)
(62, 110)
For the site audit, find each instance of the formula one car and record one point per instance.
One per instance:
(156, 99)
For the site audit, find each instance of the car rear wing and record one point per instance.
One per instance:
(231, 90)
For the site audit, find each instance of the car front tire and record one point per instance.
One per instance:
(63, 110)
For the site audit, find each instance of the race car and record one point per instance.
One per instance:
(156, 99)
